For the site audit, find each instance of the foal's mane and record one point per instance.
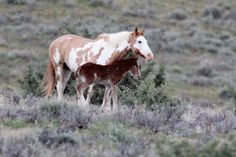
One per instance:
(115, 38)
(124, 61)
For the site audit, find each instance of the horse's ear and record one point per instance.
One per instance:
(142, 32)
(136, 31)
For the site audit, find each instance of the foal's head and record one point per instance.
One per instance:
(130, 65)
(139, 45)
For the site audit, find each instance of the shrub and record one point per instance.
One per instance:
(232, 91)
(17, 2)
(54, 139)
(31, 81)
(23, 146)
(205, 71)
(68, 27)
(178, 15)
(171, 148)
(51, 110)
(70, 87)
(212, 11)
(146, 91)
(33, 77)
(102, 3)
(226, 94)
(72, 117)
(160, 77)
(97, 97)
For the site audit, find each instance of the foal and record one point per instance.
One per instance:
(108, 75)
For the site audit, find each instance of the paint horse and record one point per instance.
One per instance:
(67, 53)
(108, 75)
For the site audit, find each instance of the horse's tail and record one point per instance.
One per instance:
(49, 80)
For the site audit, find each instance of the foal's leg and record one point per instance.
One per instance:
(106, 103)
(114, 97)
(90, 94)
(80, 92)
(83, 86)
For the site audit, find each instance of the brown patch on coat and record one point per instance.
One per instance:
(80, 55)
(94, 58)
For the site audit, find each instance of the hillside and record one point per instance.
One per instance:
(191, 114)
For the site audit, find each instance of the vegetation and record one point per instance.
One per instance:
(184, 104)
(31, 81)
(54, 127)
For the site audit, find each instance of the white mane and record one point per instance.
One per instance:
(117, 38)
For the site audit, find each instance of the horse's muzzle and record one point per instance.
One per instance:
(149, 57)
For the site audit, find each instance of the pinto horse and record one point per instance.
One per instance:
(108, 75)
(67, 53)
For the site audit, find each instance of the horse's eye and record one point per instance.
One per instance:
(139, 42)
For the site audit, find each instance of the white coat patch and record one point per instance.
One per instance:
(142, 46)
(59, 71)
(73, 65)
(106, 53)
(57, 56)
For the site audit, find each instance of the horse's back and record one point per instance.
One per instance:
(64, 44)
(73, 40)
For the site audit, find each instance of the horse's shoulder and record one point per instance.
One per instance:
(103, 36)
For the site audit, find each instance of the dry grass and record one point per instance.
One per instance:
(198, 52)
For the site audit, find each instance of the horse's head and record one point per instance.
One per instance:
(139, 45)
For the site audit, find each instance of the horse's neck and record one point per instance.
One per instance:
(118, 42)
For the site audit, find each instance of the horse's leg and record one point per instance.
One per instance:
(114, 98)
(90, 94)
(106, 103)
(59, 85)
(65, 79)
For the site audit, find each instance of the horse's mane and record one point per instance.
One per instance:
(115, 38)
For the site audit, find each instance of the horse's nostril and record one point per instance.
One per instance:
(149, 56)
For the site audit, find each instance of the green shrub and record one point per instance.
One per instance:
(31, 80)
(171, 148)
(86, 33)
(51, 110)
(98, 94)
(160, 77)
(15, 124)
(168, 147)
(33, 76)
(101, 3)
(146, 91)
(233, 92)
(229, 93)
(17, 2)
(70, 87)
(218, 148)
